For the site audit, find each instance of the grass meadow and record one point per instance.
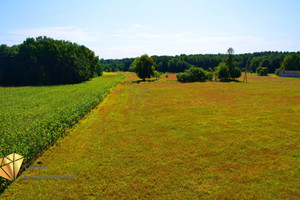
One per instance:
(168, 140)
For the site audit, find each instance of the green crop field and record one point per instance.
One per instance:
(168, 140)
(32, 118)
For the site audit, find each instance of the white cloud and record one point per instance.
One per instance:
(70, 33)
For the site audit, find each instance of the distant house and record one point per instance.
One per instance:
(288, 73)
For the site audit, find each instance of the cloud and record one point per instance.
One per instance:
(70, 33)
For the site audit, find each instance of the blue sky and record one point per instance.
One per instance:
(118, 29)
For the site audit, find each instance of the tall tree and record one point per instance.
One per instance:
(234, 72)
(230, 59)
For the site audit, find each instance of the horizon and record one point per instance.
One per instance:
(116, 29)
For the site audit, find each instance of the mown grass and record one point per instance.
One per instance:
(167, 140)
(32, 118)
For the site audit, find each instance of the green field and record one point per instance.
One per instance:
(31, 118)
(167, 140)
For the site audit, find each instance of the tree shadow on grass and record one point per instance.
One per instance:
(202, 81)
(139, 81)
(39, 85)
(231, 80)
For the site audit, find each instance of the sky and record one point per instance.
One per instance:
(120, 29)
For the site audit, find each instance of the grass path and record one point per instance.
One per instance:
(167, 140)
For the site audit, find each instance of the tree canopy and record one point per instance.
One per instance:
(291, 62)
(45, 61)
(145, 67)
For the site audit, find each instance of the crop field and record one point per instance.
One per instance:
(168, 140)
(31, 118)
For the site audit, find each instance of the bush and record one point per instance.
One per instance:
(235, 73)
(157, 74)
(262, 71)
(183, 77)
(223, 72)
(194, 74)
(209, 75)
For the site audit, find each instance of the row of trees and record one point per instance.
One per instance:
(250, 62)
(144, 67)
(45, 61)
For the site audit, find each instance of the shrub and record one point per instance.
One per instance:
(183, 77)
(209, 75)
(235, 73)
(262, 71)
(194, 74)
(157, 74)
(223, 72)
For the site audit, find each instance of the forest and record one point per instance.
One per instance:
(250, 61)
(45, 61)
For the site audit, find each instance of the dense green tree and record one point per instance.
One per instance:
(117, 64)
(275, 62)
(45, 61)
(223, 72)
(145, 67)
(127, 64)
(235, 73)
(291, 62)
(230, 59)
(99, 70)
(255, 63)
(178, 65)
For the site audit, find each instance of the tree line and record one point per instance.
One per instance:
(45, 61)
(144, 67)
(249, 61)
